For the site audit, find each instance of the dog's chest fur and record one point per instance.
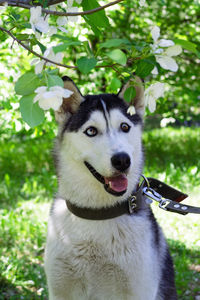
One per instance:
(109, 257)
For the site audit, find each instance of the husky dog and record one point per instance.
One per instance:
(99, 161)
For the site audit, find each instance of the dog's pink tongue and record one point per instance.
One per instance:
(118, 183)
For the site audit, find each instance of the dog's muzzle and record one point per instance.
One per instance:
(116, 185)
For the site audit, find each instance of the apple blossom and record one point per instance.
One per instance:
(164, 57)
(131, 110)
(49, 54)
(142, 2)
(70, 2)
(52, 98)
(3, 7)
(155, 33)
(62, 21)
(152, 93)
(37, 21)
(73, 9)
(154, 71)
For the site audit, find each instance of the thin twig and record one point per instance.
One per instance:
(60, 13)
(33, 52)
(44, 58)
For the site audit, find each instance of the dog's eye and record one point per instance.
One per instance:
(91, 131)
(125, 127)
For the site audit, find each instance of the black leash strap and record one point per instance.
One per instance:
(168, 198)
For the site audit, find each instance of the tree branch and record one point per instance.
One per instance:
(44, 58)
(33, 52)
(59, 13)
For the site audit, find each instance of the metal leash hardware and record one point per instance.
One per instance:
(166, 203)
(153, 195)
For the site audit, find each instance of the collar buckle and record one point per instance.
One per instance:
(132, 204)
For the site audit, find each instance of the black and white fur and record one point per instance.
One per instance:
(124, 258)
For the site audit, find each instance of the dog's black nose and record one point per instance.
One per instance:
(121, 161)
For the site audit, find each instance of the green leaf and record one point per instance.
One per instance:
(130, 94)
(64, 38)
(85, 64)
(64, 46)
(187, 45)
(22, 37)
(98, 18)
(94, 28)
(53, 72)
(115, 43)
(88, 48)
(53, 80)
(139, 46)
(118, 56)
(144, 67)
(42, 47)
(31, 113)
(27, 84)
(115, 84)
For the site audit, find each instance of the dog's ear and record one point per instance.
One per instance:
(71, 104)
(138, 100)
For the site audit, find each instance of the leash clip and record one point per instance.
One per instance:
(153, 195)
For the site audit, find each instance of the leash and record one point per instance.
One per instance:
(168, 198)
(149, 190)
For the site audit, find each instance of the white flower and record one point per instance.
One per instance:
(131, 110)
(37, 21)
(53, 7)
(79, 1)
(49, 54)
(70, 3)
(167, 63)
(164, 57)
(142, 2)
(61, 21)
(63, 29)
(165, 121)
(155, 33)
(152, 93)
(174, 50)
(52, 98)
(38, 65)
(165, 43)
(52, 30)
(52, 56)
(73, 9)
(3, 7)
(154, 71)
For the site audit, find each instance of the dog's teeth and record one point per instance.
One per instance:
(110, 184)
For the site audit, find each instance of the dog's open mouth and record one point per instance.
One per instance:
(116, 185)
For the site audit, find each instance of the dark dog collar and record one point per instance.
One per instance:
(169, 199)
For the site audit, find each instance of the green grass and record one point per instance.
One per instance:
(27, 185)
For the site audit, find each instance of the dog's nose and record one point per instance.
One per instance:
(121, 161)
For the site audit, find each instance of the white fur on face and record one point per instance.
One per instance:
(77, 147)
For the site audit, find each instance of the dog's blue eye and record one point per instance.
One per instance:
(125, 127)
(91, 131)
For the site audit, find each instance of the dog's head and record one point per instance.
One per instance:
(99, 144)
